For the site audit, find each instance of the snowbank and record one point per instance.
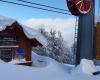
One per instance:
(48, 63)
(39, 61)
(29, 32)
(52, 71)
(1, 61)
(86, 67)
(17, 72)
(15, 61)
(98, 68)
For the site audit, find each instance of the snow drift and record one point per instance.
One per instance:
(51, 71)
(48, 63)
(86, 67)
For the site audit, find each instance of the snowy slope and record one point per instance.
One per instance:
(14, 72)
(51, 71)
(49, 63)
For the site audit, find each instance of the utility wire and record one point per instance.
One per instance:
(42, 5)
(33, 7)
(99, 7)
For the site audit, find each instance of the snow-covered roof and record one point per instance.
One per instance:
(29, 32)
(4, 22)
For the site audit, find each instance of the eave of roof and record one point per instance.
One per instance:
(29, 32)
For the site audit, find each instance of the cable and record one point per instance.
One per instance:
(42, 5)
(34, 7)
(99, 7)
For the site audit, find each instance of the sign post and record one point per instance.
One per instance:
(86, 12)
(85, 35)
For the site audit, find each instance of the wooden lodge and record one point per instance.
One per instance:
(16, 41)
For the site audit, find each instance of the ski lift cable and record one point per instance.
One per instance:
(43, 5)
(99, 7)
(34, 7)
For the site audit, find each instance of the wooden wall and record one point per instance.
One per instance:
(98, 41)
(23, 41)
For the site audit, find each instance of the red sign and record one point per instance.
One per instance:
(78, 7)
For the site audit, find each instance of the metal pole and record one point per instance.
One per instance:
(85, 35)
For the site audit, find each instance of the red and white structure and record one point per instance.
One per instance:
(79, 7)
(85, 9)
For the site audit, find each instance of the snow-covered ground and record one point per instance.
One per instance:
(50, 70)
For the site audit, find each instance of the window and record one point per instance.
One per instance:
(6, 54)
(20, 53)
(8, 41)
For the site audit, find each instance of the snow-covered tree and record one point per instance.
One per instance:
(56, 47)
